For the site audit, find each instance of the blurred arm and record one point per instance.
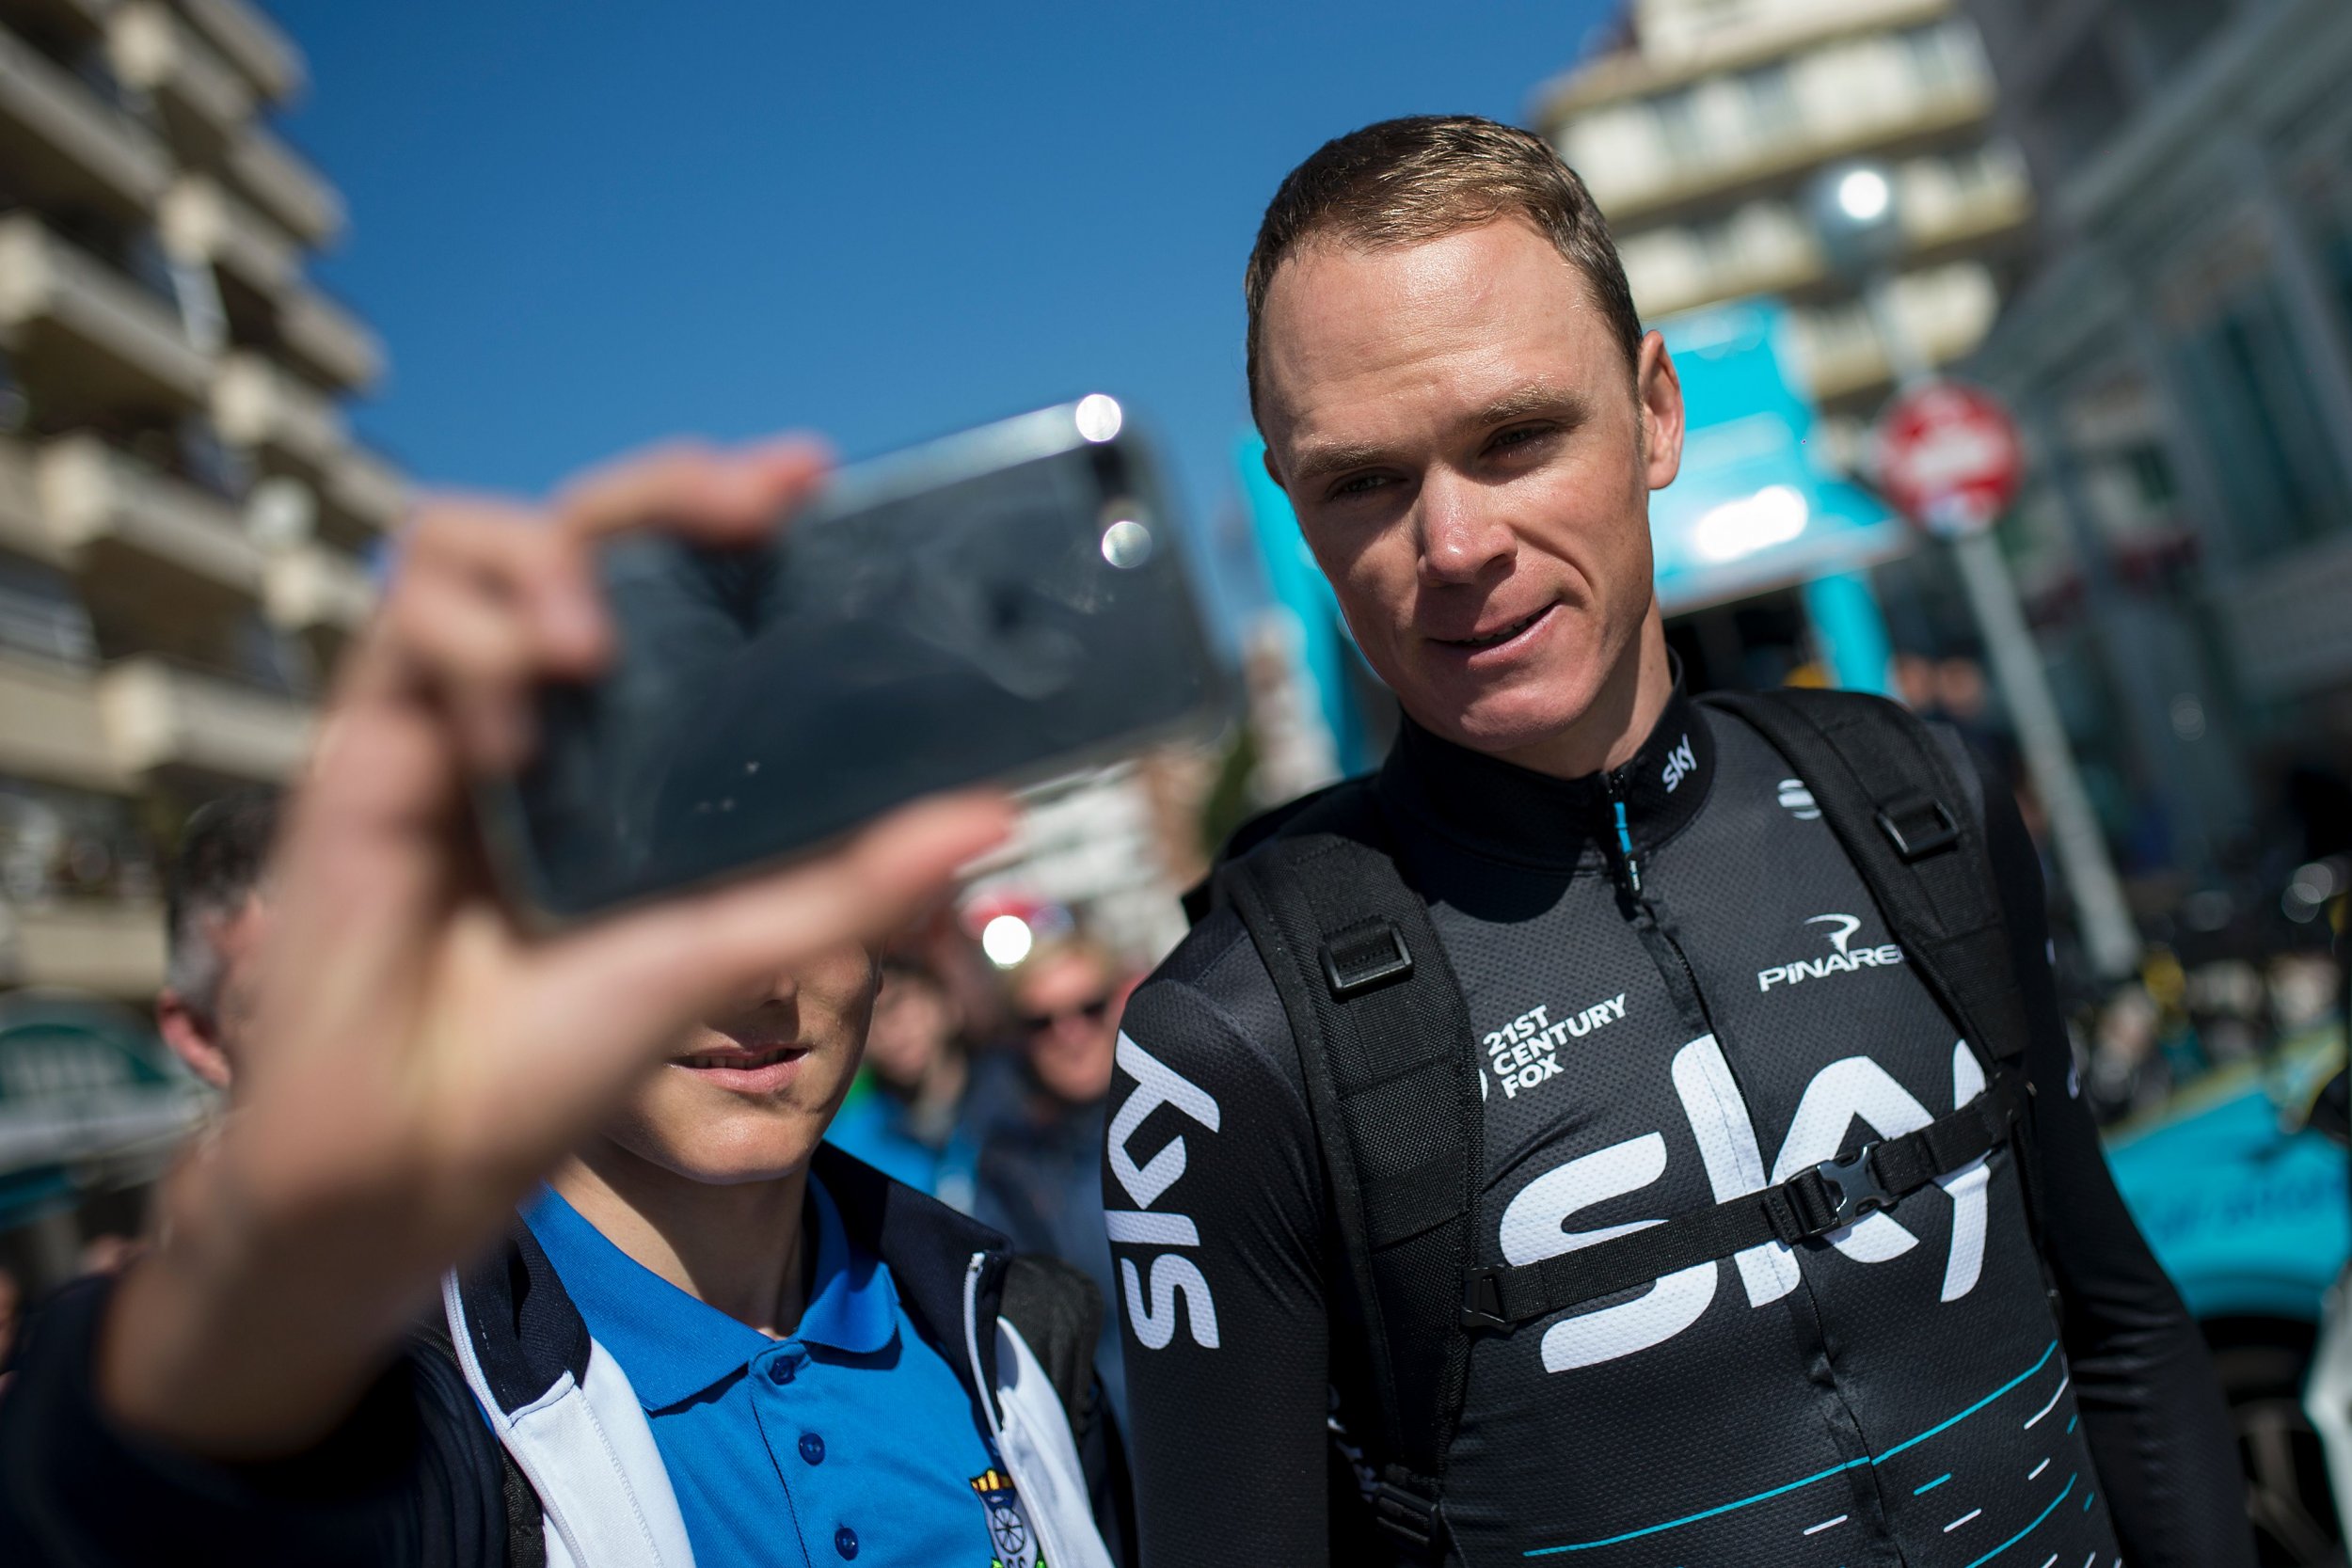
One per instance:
(1221, 1295)
(2150, 1407)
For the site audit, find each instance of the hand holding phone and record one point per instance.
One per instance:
(999, 604)
(419, 1060)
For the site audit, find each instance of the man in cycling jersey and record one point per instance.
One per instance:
(1680, 990)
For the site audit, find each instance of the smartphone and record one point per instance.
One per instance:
(1005, 604)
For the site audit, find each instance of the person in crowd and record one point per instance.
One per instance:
(216, 915)
(1032, 1138)
(1549, 1138)
(904, 1106)
(708, 1339)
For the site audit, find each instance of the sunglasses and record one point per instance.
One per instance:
(1093, 1013)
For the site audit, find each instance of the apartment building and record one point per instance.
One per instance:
(2184, 348)
(1700, 127)
(184, 515)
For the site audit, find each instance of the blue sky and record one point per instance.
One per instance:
(581, 226)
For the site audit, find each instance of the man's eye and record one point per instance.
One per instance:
(1360, 484)
(1520, 436)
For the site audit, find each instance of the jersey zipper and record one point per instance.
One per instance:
(1682, 980)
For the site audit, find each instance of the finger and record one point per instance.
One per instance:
(644, 976)
(720, 498)
(520, 555)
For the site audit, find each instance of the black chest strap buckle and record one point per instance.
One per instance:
(1815, 1203)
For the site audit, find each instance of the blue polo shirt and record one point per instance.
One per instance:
(850, 1441)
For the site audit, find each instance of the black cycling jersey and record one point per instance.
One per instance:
(1668, 1018)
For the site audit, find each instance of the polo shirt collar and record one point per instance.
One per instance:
(673, 1347)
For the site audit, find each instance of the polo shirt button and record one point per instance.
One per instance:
(845, 1542)
(812, 1447)
(780, 1371)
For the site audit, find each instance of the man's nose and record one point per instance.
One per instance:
(1463, 533)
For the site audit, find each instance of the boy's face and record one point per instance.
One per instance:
(747, 1095)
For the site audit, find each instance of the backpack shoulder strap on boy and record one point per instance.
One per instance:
(1385, 1044)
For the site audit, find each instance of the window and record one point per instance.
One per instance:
(2250, 396)
(2172, 29)
(41, 616)
(1936, 55)
(1772, 104)
(2082, 106)
(1678, 127)
(62, 843)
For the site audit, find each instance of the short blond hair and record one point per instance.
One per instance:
(1405, 182)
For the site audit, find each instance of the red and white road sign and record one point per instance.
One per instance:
(1949, 458)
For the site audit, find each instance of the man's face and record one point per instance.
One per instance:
(1470, 459)
(747, 1096)
(1069, 1017)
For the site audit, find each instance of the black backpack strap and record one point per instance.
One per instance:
(1889, 792)
(1807, 1207)
(526, 1517)
(1913, 828)
(1385, 1044)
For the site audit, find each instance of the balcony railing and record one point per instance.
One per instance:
(365, 490)
(205, 224)
(109, 329)
(112, 949)
(253, 42)
(92, 495)
(50, 725)
(328, 339)
(154, 50)
(315, 587)
(65, 142)
(160, 715)
(257, 405)
(21, 525)
(1637, 195)
(284, 184)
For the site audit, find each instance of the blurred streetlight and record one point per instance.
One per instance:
(1859, 228)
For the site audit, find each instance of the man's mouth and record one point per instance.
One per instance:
(1498, 634)
(741, 1060)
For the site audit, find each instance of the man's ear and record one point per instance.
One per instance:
(191, 1038)
(1658, 389)
(1265, 455)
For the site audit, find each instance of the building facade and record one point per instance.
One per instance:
(1700, 130)
(2183, 354)
(185, 522)
(185, 517)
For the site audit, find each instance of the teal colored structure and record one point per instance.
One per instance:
(2250, 1216)
(1755, 507)
(1327, 650)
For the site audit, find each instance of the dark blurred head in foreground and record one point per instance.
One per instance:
(216, 914)
(1459, 401)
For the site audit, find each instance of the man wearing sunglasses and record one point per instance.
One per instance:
(1032, 1144)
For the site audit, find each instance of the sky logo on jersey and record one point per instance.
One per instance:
(1680, 764)
(1525, 1052)
(1839, 928)
(1170, 1277)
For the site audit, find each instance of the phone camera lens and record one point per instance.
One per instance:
(1126, 544)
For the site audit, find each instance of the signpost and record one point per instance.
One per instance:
(1950, 459)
